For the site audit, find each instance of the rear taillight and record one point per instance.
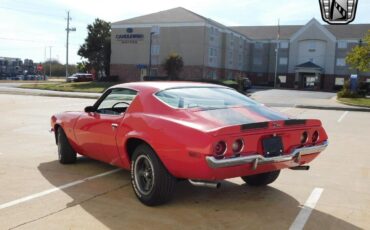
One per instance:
(238, 146)
(304, 137)
(220, 148)
(315, 136)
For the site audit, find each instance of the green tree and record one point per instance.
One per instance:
(97, 46)
(83, 67)
(173, 66)
(57, 69)
(359, 57)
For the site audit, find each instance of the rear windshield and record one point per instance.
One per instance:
(204, 98)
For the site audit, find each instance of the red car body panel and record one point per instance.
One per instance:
(183, 138)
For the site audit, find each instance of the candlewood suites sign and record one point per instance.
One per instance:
(130, 37)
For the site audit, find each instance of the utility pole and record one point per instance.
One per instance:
(67, 43)
(50, 61)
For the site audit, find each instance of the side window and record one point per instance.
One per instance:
(116, 102)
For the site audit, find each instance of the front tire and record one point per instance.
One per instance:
(66, 154)
(152, 183)
(261, 179)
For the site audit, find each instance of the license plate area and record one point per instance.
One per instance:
(272, 146)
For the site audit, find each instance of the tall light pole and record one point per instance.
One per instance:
(67, 43)
(153, 31)
(150, 53)
(277, 53)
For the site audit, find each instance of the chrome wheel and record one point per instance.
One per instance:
(144, 174)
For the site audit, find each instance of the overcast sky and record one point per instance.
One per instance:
(28, 27)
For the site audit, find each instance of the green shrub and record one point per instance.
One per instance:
(346, 91)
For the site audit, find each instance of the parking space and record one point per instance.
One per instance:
(37, 192)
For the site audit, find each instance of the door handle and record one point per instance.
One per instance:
(114, 125)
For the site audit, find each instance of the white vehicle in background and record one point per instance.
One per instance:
(80, 77)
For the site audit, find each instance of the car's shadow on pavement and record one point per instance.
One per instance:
(111, 201)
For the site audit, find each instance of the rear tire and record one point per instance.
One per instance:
(66, 154)
(261, 179)
(152, 183)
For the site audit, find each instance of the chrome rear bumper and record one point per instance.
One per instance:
(259, 159)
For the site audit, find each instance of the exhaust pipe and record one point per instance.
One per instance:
(208, 184)
(301, 167)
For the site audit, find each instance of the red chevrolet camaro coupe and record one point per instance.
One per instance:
(168, 131)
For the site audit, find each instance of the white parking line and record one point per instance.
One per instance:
(46, 192)
(343, 115)
(306, 210)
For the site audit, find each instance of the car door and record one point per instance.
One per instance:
(96, 131)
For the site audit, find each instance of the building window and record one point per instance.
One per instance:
(339, 81)
(283, 61)
(282, 79)
(229, 75)
(212, 75)
(230, 57)
(212, 52)
(257, 60)
(212, 55)
(312, 46)
(341, 62)
(258, 45)
(284, 44)
(342, 44)
(155, 50)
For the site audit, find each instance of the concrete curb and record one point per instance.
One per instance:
(346, 103)
(354, 109)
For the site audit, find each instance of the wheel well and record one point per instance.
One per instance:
(131, 145)
(56, 128)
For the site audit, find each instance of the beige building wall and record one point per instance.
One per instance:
(188, 42)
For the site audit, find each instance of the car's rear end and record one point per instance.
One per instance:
(261, 147)
(243, 137)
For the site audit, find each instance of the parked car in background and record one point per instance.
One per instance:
(18, 77)
(80, 77)
(168, 131)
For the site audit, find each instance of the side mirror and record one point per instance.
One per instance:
(89, 109)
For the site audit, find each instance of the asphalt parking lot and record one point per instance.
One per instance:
(36, 192)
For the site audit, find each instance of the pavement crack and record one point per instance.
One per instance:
(69, 206)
